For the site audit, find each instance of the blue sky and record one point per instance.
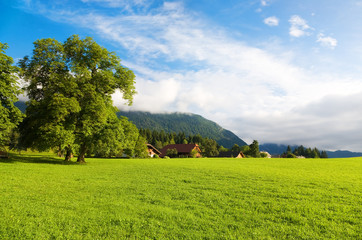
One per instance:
(273, 70)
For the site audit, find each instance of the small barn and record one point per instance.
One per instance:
(152, 151)
(231, 154)
(183, 150)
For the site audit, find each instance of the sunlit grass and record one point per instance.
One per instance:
(42, 197)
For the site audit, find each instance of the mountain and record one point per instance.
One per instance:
(21, 105)
(343, 154)
(190, 124)
(277, 149)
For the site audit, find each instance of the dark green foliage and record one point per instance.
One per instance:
(117, 137)
(10, 115)
(236, 148)
(188, 124)
(209, 148)
(172, 152)
(324, 154)
(290, 155)
(70, 86)
(254, 149)
(222, 149)
(245, 149)
(140, 149)
(305, 152)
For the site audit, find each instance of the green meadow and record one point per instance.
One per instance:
(41, 197)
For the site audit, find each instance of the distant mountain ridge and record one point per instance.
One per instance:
(190, 124)
(277, 149)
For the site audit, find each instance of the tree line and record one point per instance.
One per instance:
(304, 152)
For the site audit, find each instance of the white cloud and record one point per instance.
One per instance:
(271, 21)
(255, 93)
(119, 3)
(155, 96)
(298, 27)
(327, 41)
(265, 3)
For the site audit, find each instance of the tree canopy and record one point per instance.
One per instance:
(10, 115)
(70, 86)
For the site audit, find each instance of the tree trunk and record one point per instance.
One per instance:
(68, 155)
(81, 155)
(60, 152)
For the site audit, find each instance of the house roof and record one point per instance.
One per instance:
(155, 150)
(230, 154)
(181, 148)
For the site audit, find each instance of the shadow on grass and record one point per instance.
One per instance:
(35, 158)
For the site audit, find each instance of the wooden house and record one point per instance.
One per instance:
(152, 151)
(231, 154)
(183, 150)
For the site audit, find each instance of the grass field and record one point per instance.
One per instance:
(43, 198)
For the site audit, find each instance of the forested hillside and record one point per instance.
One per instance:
(190, 124)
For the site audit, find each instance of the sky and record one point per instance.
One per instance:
(277, 71)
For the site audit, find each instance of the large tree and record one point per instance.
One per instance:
(209, 147)
(254, 149)
(70, 86)
(10, 115)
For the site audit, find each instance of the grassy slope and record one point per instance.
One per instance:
(42, 198)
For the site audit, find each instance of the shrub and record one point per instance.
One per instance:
(193, 153)
(171, 152)
(290, 155)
